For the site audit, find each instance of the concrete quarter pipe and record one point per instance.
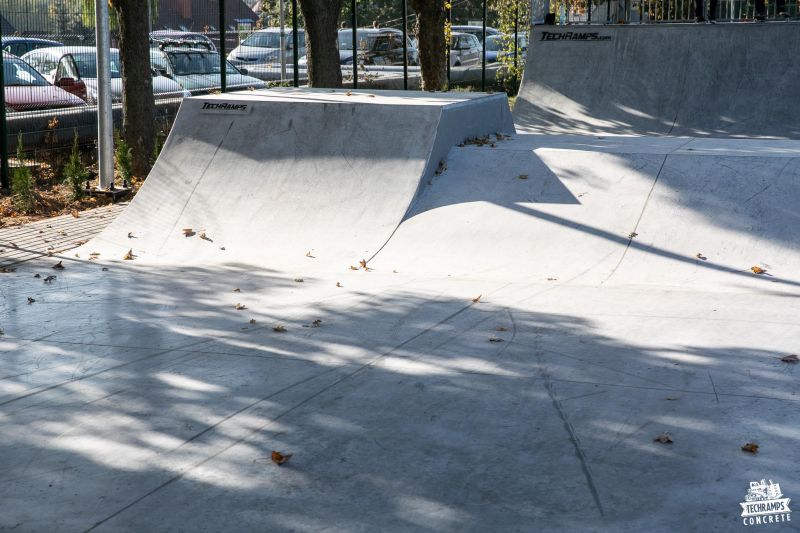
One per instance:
(532, 312)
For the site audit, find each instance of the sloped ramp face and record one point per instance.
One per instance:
(726, 80)
(271, 176)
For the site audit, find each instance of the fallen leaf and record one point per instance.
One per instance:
(477, 299)
(664, 438)
(363, 264)
(338, 284)
(237, 290)
(299, 280)
(758, 270)
(37, 275)
(522, 177)
(279, 458)
(500, 328)
(395, 271)
(129, 256)
(792, 358)
(370, 96)
(5, 270)
(701, 257)
(30, 300)
(353, 268)
(222, 248)
(252, 320)
(750, 447)
(49, 279)
(279, 329)
(495, 339)
(440, 170)
(670, 398)
(187, 232)
(105, 269)
(59, 266)
(315, 324)
(552, 279)
(308, 254)
(239, 307)
(632, 235)
(349, 93)
(75, 213)
(204, 237)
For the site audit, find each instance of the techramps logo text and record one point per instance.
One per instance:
(591, 36)
(765, 504)
(225, 107)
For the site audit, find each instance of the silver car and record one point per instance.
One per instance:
(465, 50)
(264, 47)
(80, 63)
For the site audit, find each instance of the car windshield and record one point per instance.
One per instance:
(87, 64)
(371, 42)
(18, 73)
(494, 43)
(197, 62)
(265, 39)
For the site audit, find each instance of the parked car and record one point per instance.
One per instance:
(264, 47)
(19, 46)
(465, 50)
(79, 63)
(27, 90)
(477, 31)
(192, 39)
(382, 46)
(198, 70)
(497, 47)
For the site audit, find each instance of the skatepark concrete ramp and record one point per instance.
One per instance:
(724, 80)
(273, 175)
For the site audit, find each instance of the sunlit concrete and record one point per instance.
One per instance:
(534, 313)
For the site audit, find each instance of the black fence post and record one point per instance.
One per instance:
(483, 51)
(355, 43)
(589, 12)
(405, 45)
(223, 65)
(516, 42)
(5, 182)
(295, 45)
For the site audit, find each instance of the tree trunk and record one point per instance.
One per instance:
(431, 18)
(138, 105)
(322, 39)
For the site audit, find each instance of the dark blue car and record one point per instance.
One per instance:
(20, 46)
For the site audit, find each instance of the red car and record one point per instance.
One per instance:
(27, 90)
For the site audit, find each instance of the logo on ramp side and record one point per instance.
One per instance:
(225, 107)
(574, 36)
(765, 504)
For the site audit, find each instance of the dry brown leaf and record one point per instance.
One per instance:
(501, 328)
(240, 307)
(30, 300)
(308, 254)
(299, 280)
(477, 299)
(279, 329)
(252, 320)
(363, 264)
(187, 232)
(204, 237)
(522, 177)
(632, 235)
(750, 447)
(353, 267)
(701, 257)
(131, 235)
(664, 438)
(37, 276)
(338, 284)
(791, 358)
(349, 93)
(75, 213)
(129, 256)
(237, 290)
(105, 269)
(49, 279)
(59, 266)
(279, 458)
(495, 339)
(758, 270)
(5, 270)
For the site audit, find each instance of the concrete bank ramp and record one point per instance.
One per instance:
(724, 80)
(269, 176)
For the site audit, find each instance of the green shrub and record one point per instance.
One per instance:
(75, 175)
(123, 158)
(22, 182)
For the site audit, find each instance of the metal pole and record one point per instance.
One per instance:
(296, 45)
(589, 12)
(105, 124)
(483, 51)
(223, 65)
(608, 11)
(5, 181)
(355, 43)
(405, 45)
(283, 39)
